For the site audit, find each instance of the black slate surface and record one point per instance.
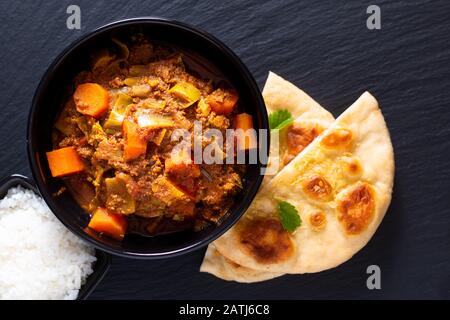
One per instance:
(325, 48)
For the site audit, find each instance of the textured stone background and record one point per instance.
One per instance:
(325, 48)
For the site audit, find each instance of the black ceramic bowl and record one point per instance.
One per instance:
(53, 90)
(103, 262)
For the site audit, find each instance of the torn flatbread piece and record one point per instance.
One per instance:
(340, 185)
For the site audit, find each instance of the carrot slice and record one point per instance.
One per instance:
(245, 139)
(182, 171)
(181, 164)
(65, 161)
(91, 99)
(222, 101)
(112, 224)
(135, 144)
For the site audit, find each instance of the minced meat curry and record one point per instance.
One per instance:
(113, 147)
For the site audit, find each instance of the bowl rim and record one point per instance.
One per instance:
(229, 221)
(99, 268)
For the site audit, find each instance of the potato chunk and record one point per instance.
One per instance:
(175, 199)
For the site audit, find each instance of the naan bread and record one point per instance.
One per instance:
(341, 185)
(310, 120)
(223, 268)
(280, 94)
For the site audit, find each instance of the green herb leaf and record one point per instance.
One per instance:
(290, 219)
(280, 119)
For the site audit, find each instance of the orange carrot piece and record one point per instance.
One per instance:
(246, 139)
(111, 224)
(229, 102)
(181, 164)
(65, 161)
(135, 144)
(182, 171)
(221, 101)
(91, 99)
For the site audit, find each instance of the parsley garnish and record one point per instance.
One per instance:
(290, 219)
(280, 119)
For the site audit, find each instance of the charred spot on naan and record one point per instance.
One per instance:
(352, 166)
(266, 240)
(298, 137)
(318, 221)
(317, 187)
(339, 138)
(356, 208)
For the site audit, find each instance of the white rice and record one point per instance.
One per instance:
(39, 257)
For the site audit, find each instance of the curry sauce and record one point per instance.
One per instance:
(114, 148)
